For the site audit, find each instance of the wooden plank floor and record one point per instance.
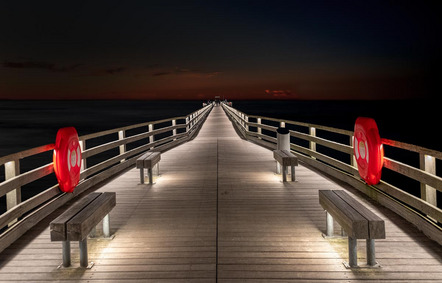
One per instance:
(219, 213)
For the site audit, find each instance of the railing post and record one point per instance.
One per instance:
(151, 138)
(121, 136)
(352, 155)
(247, 123)
(259, 130)
(12, 169)
(83, 162)
(174, 130)
(187, 124)
(312, 144)
(353, 161)
(428, 164)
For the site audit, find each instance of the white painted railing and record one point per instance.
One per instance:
(157, 135)
(422, 212)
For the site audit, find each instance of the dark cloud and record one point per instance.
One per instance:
(30, 64)
(159, 74)
(112, 71)
(183, 71)
(279, 93)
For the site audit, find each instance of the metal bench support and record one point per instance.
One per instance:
(352, 252)
(83, 253)
(371, 253)
(106, 226)
(66, 246)
(142, 175)
(329, 225)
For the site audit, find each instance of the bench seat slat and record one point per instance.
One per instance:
(58, 225)
(140, 160)
(376, 226)
(352, 221)
(152, 160)
(80, 225)
(285, 158)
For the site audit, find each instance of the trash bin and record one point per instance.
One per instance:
(283, 143)
(283, 138)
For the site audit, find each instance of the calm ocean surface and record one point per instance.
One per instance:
(27, 124)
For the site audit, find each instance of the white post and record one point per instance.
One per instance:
(352, 155)
(258, 121)
(151, 138)
(121, 136)
(282, 124)
(312, 144)
(12, 169)
(247, 123)
(353, 161)
(174, 130)
(428, 164)
(187, 124)
(83, 162)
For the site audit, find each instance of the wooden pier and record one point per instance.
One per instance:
(219, 213)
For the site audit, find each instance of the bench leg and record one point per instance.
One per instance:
(150, 176)
(83, 253)
(106, 226)
(329, 225)
(371, 253)
(352, 252)
(66, 246)
(293, 173)
(93, 232)
(284, 173)
(141, 175)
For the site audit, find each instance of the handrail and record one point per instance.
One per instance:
(21, 216)
(346, 169)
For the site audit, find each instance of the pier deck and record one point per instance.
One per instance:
(219, 213)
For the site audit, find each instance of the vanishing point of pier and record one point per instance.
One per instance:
(219, 213)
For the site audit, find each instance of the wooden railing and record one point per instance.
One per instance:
(131, 142)
(421, 211)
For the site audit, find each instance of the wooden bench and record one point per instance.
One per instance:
(286, 158)
(356, 220)
(79, 220)
(148, 161)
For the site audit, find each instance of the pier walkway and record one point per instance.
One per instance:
(218, 213)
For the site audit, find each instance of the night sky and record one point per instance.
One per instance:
(237, 49)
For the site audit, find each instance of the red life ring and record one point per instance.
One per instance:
(368, 150)
(67, 159)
